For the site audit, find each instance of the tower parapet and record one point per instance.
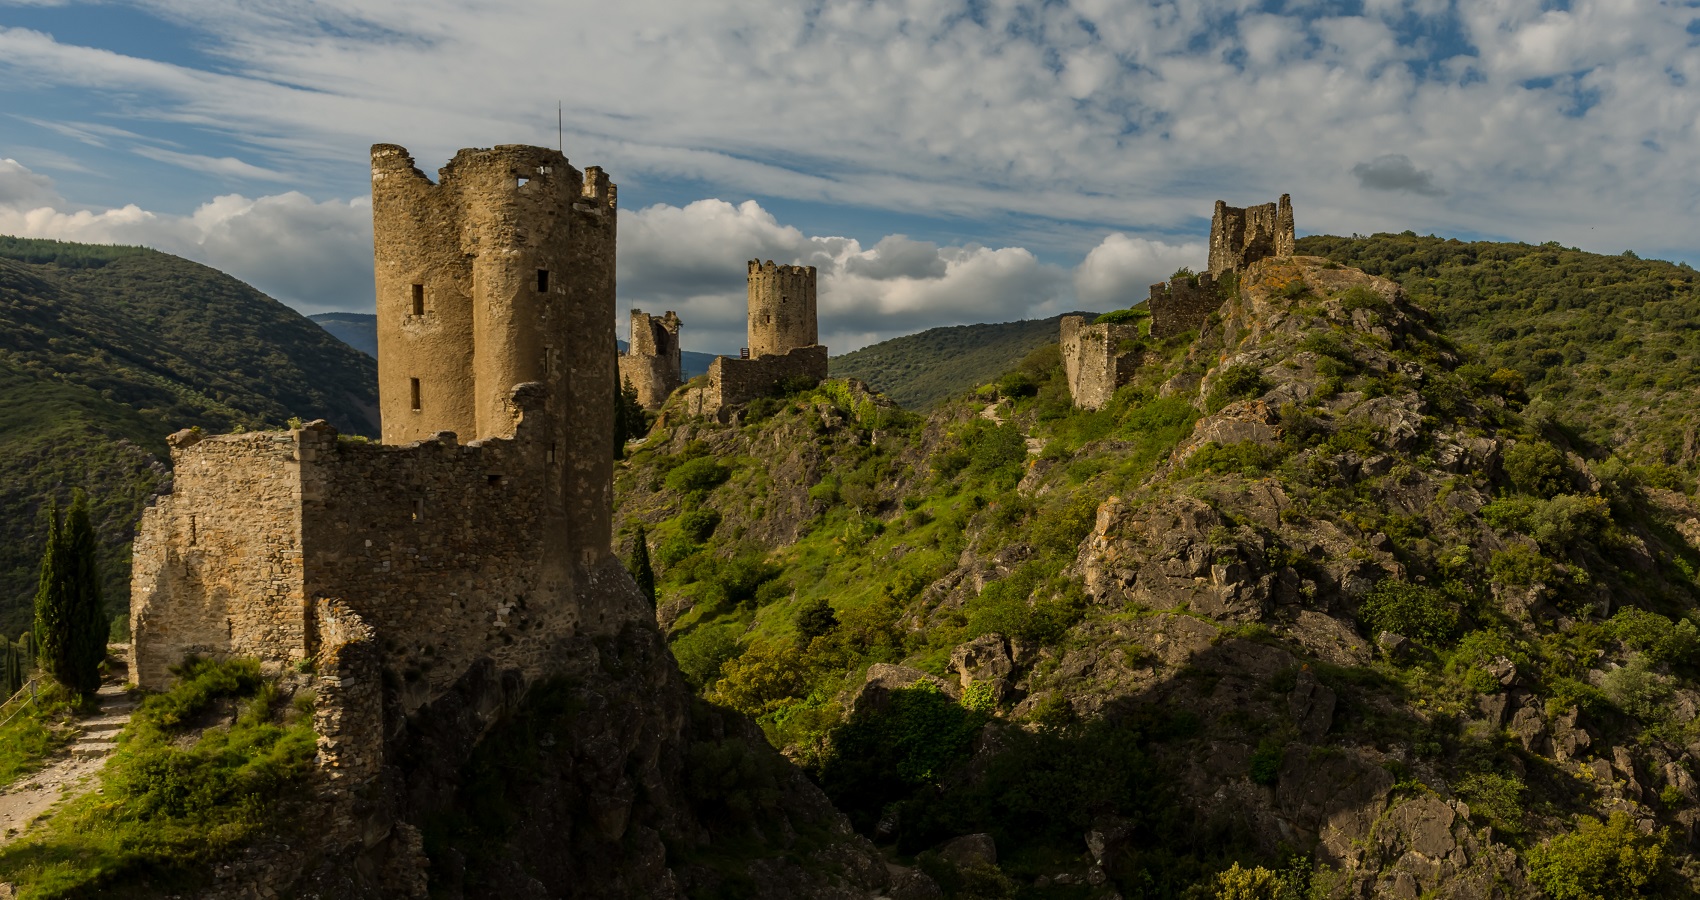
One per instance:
(1240, 237)
(651, 364)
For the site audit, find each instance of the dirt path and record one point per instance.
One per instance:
(71, 774)
(993, 413)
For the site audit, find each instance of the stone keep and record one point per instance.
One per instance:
(651, 362)
(1240, 237)
(784, 342)
(479, 527)
(1095, 361)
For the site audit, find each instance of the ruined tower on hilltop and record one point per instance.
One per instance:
(784, 342)
(479, 526)
(1240, 237)
(651, 363)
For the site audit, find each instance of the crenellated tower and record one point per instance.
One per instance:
(782, 308)
(500, 273)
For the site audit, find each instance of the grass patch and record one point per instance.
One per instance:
(173, 802)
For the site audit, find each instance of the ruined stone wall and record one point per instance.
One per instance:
(1240, 237)
(734, 382)
(218, 562)
(348, 712)
(1182, 305)
(781, 308)
(651, 363)
(1095, 361)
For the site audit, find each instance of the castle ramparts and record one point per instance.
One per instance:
(1182, 304)
(1240, 237)
(784, 342)
(651, 364)
(1098, 359)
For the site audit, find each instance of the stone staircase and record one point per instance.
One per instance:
(100, 732)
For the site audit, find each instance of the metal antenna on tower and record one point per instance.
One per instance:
(560, 129)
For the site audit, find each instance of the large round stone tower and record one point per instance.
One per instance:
(782, 308)
(500, 273)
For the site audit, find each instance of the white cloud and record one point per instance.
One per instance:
(315, 256)
(1119, 271)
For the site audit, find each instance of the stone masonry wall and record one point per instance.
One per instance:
(651, 363)
(1182, 305)
(1240, 237)
(1094, 361)
(349, 709)
(218, 562)
(734, 382)
(781, 303)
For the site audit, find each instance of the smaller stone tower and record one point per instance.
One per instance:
(651, 361)
(1240, 237)
(782, 308)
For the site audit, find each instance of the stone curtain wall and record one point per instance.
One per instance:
(1182, 305)
(218, 562)
(1094, 362)
(651, 363)
(1240, 237)
(734, 382)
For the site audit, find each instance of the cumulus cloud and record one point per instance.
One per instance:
(1396, 172)
(692, 259)
(1119, 271)
(315, 256)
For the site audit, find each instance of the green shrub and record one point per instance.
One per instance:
(1017, 384)
(702, 651)
(1361, 297)
(1599, 861)
(1248, 458)
(698, 524)
(1237, 382)
(1123, 316)
(1637, 690)
(1494, 799)
(700, 474)
(1415, 611)
(1258, 883)
(1658, 637)
(1564, 521)
(1538, 468)
(1520, 564)
(676, 550)
(815, 619)
(1266, 762)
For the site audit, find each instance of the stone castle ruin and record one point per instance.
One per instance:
(1098, 359)
(650, 365)
(784, 342)
(478, 528)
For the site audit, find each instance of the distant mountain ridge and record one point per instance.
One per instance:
(921, 370)
(106, 350)
(360, 331)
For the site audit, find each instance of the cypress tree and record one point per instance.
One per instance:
(642, 572)
(9, 680)
(70, 619)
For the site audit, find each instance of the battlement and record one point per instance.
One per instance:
(1240, 237)
(1182, 305)
(759, 269)
(781, 308)
(651, 364)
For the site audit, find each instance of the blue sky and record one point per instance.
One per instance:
(940, 161)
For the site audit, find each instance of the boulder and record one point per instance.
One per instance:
(985, 658)
(883, 678)
(969, 851)
(912, 884)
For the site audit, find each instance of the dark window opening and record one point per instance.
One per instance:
(193, 534)
(419, 299)
(494, 480)
(542, 281)
(550, 457)
(416, 406)
(548, 360)
(766, 319)
(418, 510)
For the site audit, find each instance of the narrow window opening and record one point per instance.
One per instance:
(495, 480)
(418, 510)
(766, 319)
(743, 353)
(548, 360)
(193, 533)
(419, 299)
(550, 455)
(542, 281)
(522, 181)
(415, 383)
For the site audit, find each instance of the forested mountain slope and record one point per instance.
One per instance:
(106, 350)
(921, 370)
(1322, 605)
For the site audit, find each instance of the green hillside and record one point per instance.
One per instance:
(106, 350)
(1607, 345)
(921, 370)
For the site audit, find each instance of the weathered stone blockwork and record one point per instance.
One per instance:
(651, 363)
(1240, 237)
(1097, 360)
(783, 337)
(1182, 305)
